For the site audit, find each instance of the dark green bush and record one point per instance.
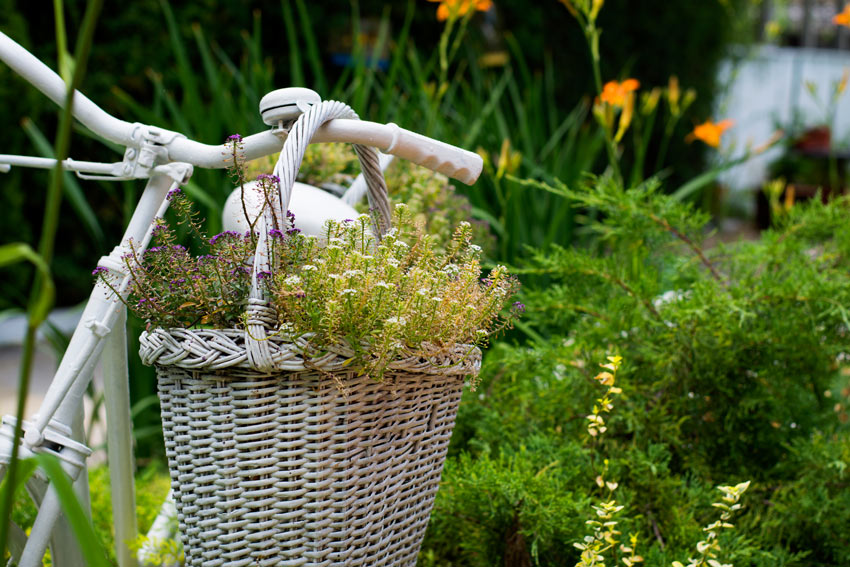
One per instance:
(732, 359)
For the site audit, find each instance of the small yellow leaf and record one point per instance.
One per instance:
(606, 378)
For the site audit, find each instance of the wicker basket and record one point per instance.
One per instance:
(288, 468)
(281, 454)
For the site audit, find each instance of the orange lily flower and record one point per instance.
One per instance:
(843, 18)
(615, 93)
(709, 132)
(458, 8)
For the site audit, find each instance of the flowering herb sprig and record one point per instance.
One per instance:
(407, 292)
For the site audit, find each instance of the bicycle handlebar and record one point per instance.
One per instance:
(463, 165)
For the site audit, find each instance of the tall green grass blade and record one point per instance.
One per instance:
(525, 141)
(296, 70)
(487, 110)
(72, 189)
(177, 117)
(370, 62)
(185, 71)
(213, 78)
(90, 544)
(200, 195)
(142, 113)
(518, 58)
(497, 225)
(701, 181)
(549, 87)
(43, 285)
(313, 55)
(143, 405)
(26, 468)
(234, 71)
(391, 91)
(22, 252)
(64, 58)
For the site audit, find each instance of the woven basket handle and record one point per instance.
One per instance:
(261, 317)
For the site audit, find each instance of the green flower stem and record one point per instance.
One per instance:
(591, 36)
(45, 250)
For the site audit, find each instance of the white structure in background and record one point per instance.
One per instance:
(764, 91)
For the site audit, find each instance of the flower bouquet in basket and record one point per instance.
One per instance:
(309, 383)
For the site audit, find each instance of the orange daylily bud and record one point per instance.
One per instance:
(673, 91)
(709, 132)
(626, 117)
(614, 93)
(457, 8)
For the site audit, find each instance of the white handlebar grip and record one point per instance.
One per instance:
(463, 165)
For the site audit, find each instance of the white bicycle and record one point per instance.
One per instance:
(165, 159)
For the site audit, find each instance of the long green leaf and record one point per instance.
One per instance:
(191, 96)
(313, 57)
(26, 468)
(296, 69)
(487, 110)
(701, 181)
(22, 252)
(42, 286)
(72, 189)
(90, 543)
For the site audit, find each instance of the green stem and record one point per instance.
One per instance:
(665, 143)
(45, 250)
(591, 35)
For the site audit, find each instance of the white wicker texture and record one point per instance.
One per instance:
(290, 468)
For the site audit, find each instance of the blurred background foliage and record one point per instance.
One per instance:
(201, 67)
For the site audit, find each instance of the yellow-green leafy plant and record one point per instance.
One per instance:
(605, 534)
(709, 547)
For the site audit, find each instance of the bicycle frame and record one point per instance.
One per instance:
(166, 159)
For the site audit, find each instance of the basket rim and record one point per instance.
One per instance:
(220, 349)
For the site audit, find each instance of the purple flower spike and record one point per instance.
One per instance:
(519, 307)
(234, 138)
(173, 193)
(275, 233)
(263, 275)
(99, 270)
(226, 233)
(266, 177)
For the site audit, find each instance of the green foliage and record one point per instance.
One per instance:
(152, 486)
(733, 358)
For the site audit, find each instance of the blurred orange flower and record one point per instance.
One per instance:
(458, 8)
(615, 93)
(843, 19)
(709, 132)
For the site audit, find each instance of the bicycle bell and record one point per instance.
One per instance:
(311, 206)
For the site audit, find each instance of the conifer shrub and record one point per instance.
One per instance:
(735, 370)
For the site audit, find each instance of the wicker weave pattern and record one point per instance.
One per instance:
(289, 469)
(220, 349)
